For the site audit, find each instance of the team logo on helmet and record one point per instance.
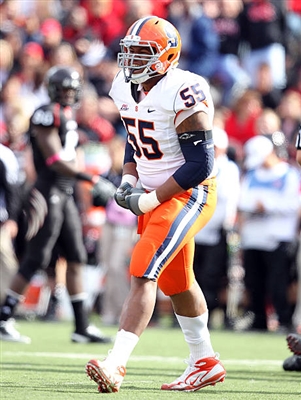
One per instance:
(172, 37)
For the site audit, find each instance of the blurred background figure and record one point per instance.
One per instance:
(200, 42)
(116, 243)
(290, 115)
(264, 32)
(232, 79)
(9, 214)
(6, 61)
(211, 261)
(51, 36)
(268, 223)
(269, 125)
(240, 121)
(55, 220)
(263, 83)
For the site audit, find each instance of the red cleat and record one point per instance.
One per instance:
(204, 372)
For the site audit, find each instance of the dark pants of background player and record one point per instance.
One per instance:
(267, 277)
(210, 269)
(62, 228)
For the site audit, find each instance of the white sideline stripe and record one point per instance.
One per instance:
(134, 358)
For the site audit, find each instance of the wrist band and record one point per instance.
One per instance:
(148, 201)
(82, 176)
(52, 159)
(131, 179)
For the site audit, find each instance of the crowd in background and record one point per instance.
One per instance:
(249, 51)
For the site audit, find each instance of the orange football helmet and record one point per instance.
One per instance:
(160, 44)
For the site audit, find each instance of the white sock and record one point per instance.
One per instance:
(197, 336)
(124, 344)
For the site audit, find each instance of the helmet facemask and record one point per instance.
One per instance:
(150, 48)
(150, 63)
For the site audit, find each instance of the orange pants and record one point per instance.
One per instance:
(165, 250)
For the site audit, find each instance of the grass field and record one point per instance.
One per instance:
(52, 367)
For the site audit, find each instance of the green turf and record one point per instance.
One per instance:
(52, 367)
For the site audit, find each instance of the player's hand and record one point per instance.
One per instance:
(140, 202)
(132, 201)
(121, 193)
(103, 190)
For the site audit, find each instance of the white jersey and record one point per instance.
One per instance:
(150, 123)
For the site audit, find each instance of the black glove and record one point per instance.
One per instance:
(121, 193)
(102, 192)
(132, 200)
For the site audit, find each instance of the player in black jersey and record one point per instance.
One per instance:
(53, 219)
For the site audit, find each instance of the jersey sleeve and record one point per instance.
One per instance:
(44, 117)
(190, 92)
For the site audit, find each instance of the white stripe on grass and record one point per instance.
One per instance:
(135, 358)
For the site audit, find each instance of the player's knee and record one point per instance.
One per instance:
(171, 288)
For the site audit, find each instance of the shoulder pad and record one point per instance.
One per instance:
(43, 116)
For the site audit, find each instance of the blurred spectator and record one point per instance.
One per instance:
(211, 259)
(63, 54)
(241, 120)
(51, 36)
(78, 33)
(95, 132)
(289, 110)
(9, 212)
(296, 79)
(75, 26)
(233, 78)
(263, 83)
(31, 27)
(106, 19)
(293, 60)
(139, 9)
(15, 39)
(117, 240)
(91, 125)
(9, 16)
(15, 111)
(263, 29)
(294, 16)
(31, 74)
(101, 76)
(269, 124)
(6, 61)
(268, 208)
(10, 92)
(200, 42)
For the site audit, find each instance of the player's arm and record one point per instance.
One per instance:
(199, 159)
(50, 145)
(198, 152)
(129, 177)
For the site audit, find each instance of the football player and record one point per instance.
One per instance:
(169, 182)
(54, 218)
